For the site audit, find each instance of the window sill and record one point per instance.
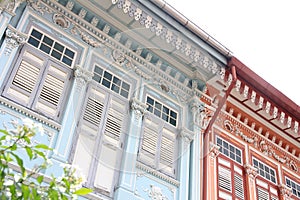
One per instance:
(29, 113)
(157, 174)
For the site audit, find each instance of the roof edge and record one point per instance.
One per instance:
(254, 80)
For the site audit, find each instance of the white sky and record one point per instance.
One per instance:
(263, 34)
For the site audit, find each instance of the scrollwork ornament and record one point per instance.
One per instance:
(13, 39)
(285, 191)
(251, 171)
(139, 108)
(214, 150)
(82, 76)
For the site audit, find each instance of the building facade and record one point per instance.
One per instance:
(146, 103)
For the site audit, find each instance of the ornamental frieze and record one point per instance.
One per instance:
(261, 144)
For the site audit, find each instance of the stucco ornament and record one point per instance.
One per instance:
(10, 6)
(138, 107)
(13, 39)
(285, 191)
(201, 114)
(214, 150)
(155, 193)
(251, 171)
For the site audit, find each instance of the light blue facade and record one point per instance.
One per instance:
(145, 56)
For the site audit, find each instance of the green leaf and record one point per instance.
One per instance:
(25, 191)
(40, 154)
(29, 152)
(4, 132)
(13, 147)
(40, 179)
(83, 191)
(42, 146)
(20, 163)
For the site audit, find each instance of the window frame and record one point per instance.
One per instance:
(235, 169)
(35, 95)
(157, 162)
(297, 184)
(100, 140)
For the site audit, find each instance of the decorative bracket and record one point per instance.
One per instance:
(251, 171)
(13, 39)
(138, 107)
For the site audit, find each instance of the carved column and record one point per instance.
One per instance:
(72, 113)
(285, 192)
(186, 136)
(251, 173)
(129, 158)
(13, 39)
(210, 175)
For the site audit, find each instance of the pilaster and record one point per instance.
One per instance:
(186, 136)
(129, 157)
(13, 40)
(251, 173)
(198, 124)
(210, 183)
(72, 113)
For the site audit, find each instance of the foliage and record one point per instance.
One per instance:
(16, 146)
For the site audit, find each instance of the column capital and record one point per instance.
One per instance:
(200, 113)
(214, 150)
(250, 171)
(285, 191)
(14, 39)
(186, 135)
(138, 107)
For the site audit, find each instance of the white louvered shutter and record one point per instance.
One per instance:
(52, 89)
(224, 176)
(88, 134)
(25, 78)
(238, 186)
(149, 141)
(167, 151)
(108, 163)
(262, 194)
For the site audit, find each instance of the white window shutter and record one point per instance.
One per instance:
(52, 90)
(108, 163)
(167, 151)
(262, 194)
(25, 78)
(238, 186)
(149, 142)
(224, 176)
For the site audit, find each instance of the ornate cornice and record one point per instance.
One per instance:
(250, 171)
(14, 39)
(139, 108)
(182, 45)
(261, 144)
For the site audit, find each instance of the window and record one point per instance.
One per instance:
(161, 111)
(100, 138)
(295, 186)
(265, 171)
(230, 171)
(38, 83)
(111, 82)
(51, 47)
(158, 143)
(266, 181)
(229, 150)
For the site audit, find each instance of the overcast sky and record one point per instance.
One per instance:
(263, 34)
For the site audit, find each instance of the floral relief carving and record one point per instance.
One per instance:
(155, 193)
(38, 6)
(61, 21)
(201, 114)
